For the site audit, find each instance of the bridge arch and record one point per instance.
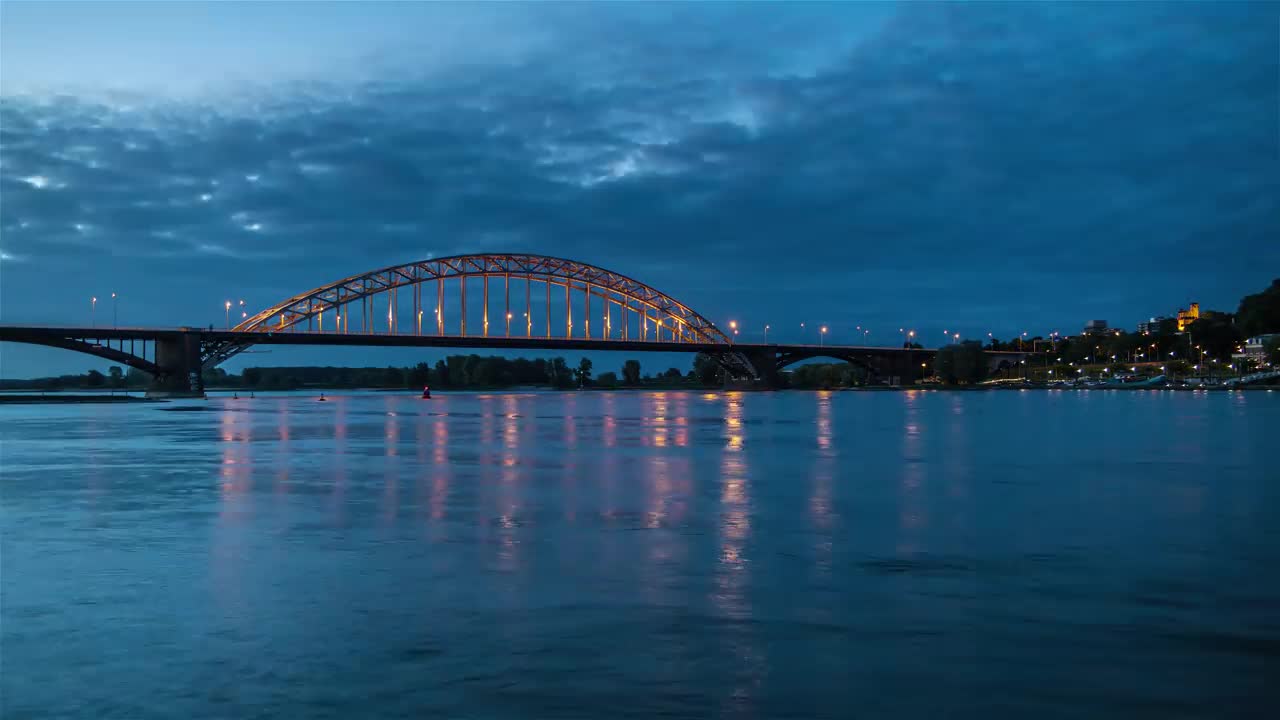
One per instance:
(652, 313)
(787, 359)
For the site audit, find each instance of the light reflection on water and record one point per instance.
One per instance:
(640, 553)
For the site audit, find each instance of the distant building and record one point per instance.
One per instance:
(1094, 327)
(1188, 316)
(1151, 326)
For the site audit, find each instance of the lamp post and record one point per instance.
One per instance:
(822, 336)
(93, 311)
(766, 334)
(227, 307)
(114, 315)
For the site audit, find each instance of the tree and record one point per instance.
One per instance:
(1272, 348)
(631, 372)
(392, 377)
(559, 374)
(705, 369)
(95, 379)
(214, 377)
(963, 363)
(1216, 334)
(117, 376)
(584, 372)
(420, 375)
(441, 374)
(672, 374)
(607, 379)
(1259, 313)
(251, 376)
(137, 378)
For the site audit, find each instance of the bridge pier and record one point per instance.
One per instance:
(765, 362)
(178, 360)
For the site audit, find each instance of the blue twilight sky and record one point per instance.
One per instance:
(970, 166)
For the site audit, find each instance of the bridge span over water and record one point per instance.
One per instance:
(559, 305)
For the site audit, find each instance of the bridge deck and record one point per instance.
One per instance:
(21, 333)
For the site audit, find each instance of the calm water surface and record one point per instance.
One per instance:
(601, 555)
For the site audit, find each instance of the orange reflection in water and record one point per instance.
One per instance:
(508, 478)
(510, 429)
(609, 430)
(570, 421)
(681, 420)
(820, 499)
(657, 407)
(733, 429)
(823, 424)
(440, 468)
(487, 429)
(912, 517)
(235, 473)
(735, 518)
(391, 479)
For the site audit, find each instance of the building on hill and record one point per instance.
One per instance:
(1188, 316)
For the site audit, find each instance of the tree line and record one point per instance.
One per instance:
(454, 371)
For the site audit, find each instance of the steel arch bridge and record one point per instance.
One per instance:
(626, 309)
(558, 304)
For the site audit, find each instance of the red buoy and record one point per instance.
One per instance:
(426, 393)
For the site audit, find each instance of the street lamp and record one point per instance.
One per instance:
(93, 311)
(114, 314)
(822, 336)
(733, 325)
(766, 334)
(227, 307)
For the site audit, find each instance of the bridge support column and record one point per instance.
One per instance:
(765, 363)
(179, 362)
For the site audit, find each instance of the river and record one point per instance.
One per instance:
(629, 554)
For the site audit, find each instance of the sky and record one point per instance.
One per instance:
(976, 167)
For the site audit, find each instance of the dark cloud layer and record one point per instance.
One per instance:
(981, 166)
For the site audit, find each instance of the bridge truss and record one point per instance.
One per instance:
(553, 299)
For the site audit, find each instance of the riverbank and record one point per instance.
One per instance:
(32, 398)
